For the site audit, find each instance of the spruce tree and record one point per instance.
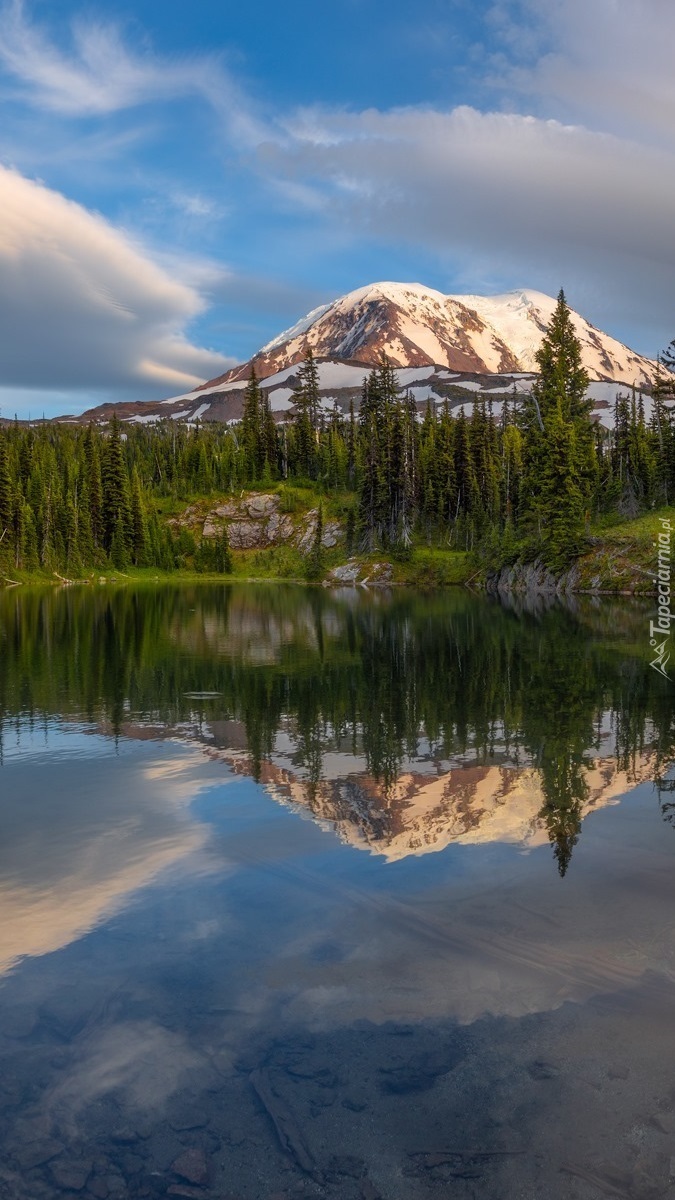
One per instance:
(6, 488)
(559, 445)
(251, 429)
(116, 504)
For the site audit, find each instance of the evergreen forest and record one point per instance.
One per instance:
(526, 485)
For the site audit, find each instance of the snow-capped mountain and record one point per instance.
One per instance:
(416, 326)
(444, 349)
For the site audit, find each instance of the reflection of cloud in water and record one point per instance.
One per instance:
(142, 1059)
(520, 943)
(78, 837)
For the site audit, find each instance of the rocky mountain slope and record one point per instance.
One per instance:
(340, 383)
(417, 326)
(443, 348)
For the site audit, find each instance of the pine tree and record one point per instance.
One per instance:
(222, 554)
(116, 505)
(270, 443)
(560, 497)
(562, 380)
(559, 445)
(139, 532)
(351, 446)
(315, 560)
(6, 488)
(17, 529)
(30, 558)
(667, 360)
(251, 429)
(309, 382)
(663, 390)
(370, 434)
(94, 487)
(73, 560)
(306, 399)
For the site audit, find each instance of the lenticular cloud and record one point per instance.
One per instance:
(100, 312)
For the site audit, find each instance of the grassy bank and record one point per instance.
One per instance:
(424, 568)
(620, 558)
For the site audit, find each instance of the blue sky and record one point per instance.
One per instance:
(180, 182)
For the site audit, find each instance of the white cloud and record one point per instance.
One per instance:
(511, 196)
(99, 76)
(609, 62)
(83, 306)
(499, 199)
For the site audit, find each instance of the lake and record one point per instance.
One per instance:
(355, 894)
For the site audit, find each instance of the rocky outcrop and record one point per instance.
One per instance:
(330, 534)
(608, 568)
(256, 522)
(379, 574)
(533, 579)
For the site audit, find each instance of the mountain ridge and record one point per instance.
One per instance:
(444, 349)
(416, 326)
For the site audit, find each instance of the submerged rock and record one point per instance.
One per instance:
(36, 1154)
(191, 1166)
(70, 1175)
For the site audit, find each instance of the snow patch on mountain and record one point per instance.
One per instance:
(300, 327)
(416, 326)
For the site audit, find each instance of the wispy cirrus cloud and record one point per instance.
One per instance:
(95, 73)
(98, 74)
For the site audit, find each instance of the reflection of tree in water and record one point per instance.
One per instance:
(560, 708)
(383, 679)
(665, 788)
(566, 792)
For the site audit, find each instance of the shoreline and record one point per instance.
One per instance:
(482, 586)
(620, 560)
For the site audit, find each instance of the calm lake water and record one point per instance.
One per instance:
(334, 894)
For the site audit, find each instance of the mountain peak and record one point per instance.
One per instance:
(417, 326)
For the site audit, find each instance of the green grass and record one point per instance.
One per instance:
(643, 529)
(621, 557)
(431, 566)
(274, 562)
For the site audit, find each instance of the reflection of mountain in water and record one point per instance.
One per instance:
(431, 805)
(467, 805)
(408, 721)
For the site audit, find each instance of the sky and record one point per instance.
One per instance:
(180, 182)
